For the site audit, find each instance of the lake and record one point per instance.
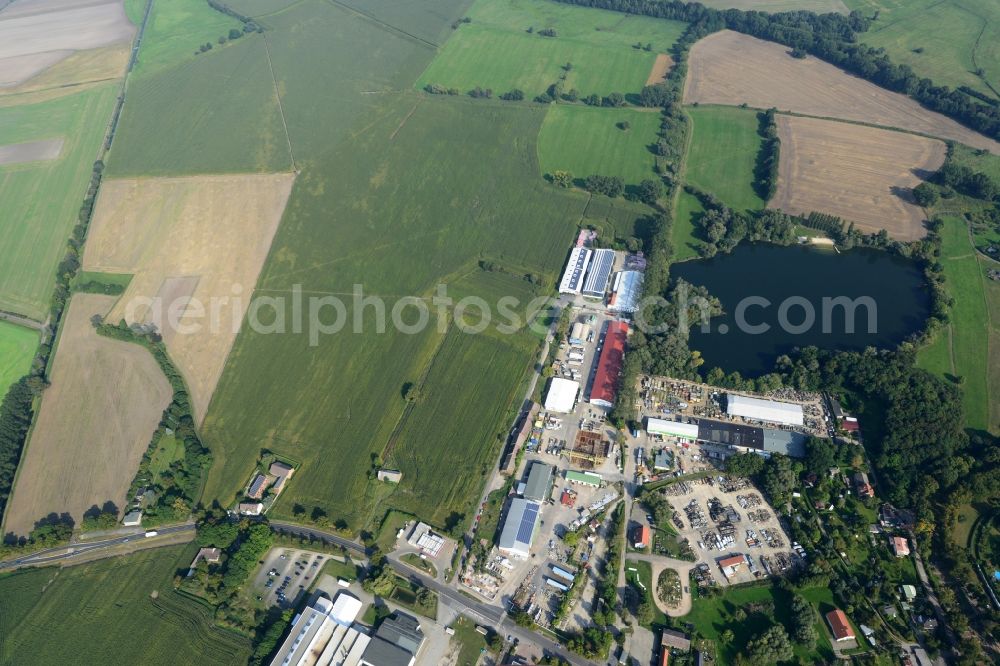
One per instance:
(777, 298)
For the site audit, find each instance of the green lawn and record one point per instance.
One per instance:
(496, 50)
(17, 347)
(473, 643)
(944, 40)
(587, 140)
(722, 154)
(41, 200)
(175, 30)
(347, 570)
(168, 450)
(644, 574)
(686, 241)
(112, 602)
(961, 348)
(763, 604)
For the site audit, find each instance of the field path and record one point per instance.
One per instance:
(277, 98)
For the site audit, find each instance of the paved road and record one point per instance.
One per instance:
(315, 533)
(72, 550)
(486, 613)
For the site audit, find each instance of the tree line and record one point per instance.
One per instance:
(769, 156)
(829, 37)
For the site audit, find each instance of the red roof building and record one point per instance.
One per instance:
(900, 546)
(609, 365)
(641, 537)
(839, 625)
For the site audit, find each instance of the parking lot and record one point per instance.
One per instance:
(723, 516)
(285, 574)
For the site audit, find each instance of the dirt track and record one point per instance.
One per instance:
(94, 423)
(37, 34)
(661, 67)
(730, 68)
(200, 237)
(857, 173)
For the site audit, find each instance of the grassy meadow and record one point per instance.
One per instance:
(722, 154)
(961, 349)
(114, 606)
(41, 199)
(496, 50)
(17, 348)
(686, 241)
(175, 31)
(946, 41)
(586, 140)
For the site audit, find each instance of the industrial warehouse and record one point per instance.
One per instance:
(720, 439)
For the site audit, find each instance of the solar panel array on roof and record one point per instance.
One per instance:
(576, 267)
(527, 526)
(599, 273)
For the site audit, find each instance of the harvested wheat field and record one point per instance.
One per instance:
(661, 67)
(80, 71)
(730, 68)
(37, 34)
(858, 173)
(94, 423)
(197, 243)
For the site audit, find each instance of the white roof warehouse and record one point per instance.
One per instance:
(764, 410)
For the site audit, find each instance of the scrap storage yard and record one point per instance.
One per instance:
(769, 77)
(862, 174)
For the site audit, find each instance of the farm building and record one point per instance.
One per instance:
(625, 291)
(685, 431)
(609, 365)
(519, 529)
(731, 565)
(390, 475)
(424, 538)
(900, 546)
(674, 639)
(323, 634)
(757, 409)
(576, 268)
(281, 473)
(132, 519)
(584, 478)
(640, 537)
(839, 626)
(539, 483)
(257, 487)
(589, 449)
(598, 273)
(578, 333)
(562, 395)
(250, 508)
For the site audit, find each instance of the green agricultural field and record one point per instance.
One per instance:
(961, 349)
(41, 200)
(497, 51)
(619, 220)
(470, 375)
(722, 154)
(213, 114)
(115, 605)
(587, 140)
(411, 207)
(175, 31)
(17, 347)
(945, 40)
(686, 241)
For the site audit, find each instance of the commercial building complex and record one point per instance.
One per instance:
(625, 291)
(562, 394)
(722, 439)
(576, 268)
(539, 482)
(599, 273)
(684, 431)
(609, 365)
(758, 409)
(519, 529)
